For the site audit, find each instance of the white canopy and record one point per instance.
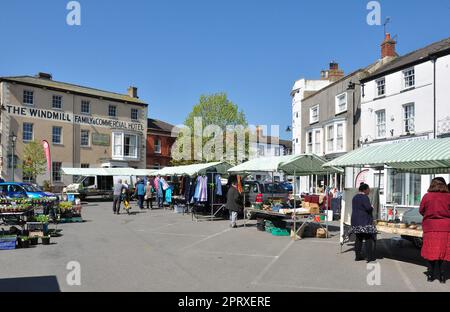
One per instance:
(107, 172)
(191, 170)
(295, 164)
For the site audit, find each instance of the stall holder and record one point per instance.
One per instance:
(301, 165)
(194, 171)
(420, 157)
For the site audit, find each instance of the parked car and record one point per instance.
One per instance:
(24, 190)
(287, 186)
(257, 192)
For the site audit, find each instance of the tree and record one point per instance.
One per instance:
(209, 132)
(35, 162)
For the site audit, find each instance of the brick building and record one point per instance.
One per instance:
(159, 143)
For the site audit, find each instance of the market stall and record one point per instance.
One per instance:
(207, 175)
(301, 165)
(420, 157)
(24, 221)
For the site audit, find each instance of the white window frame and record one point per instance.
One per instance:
(55, 99)
(25, 95)
(23, 132)
(309, 143)
(339, 110)
(379, 125)
(406, 76)
(319, 144)
(60, 136)
(330, 140)
(337, 125)
(379, 86)
(407, 127)
(88, 138)
(88, 103)
(121, 155)
(158, 150)
(311, 114)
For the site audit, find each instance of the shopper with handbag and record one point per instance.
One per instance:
(363, 224)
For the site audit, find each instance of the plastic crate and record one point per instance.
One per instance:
(280, 232)
(8, 243)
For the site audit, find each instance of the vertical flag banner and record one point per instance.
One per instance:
(47, 155)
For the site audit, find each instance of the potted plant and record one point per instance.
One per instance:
(34, 240)
(24, 242)
(46, 240)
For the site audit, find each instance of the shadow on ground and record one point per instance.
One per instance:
(30, 284)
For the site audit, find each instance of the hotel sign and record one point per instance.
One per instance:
(74, 119)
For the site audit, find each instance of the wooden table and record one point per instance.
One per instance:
(398, 231)
(303, 218)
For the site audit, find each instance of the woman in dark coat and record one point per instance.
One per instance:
(234, 203)
(362, 224)
(435, 209)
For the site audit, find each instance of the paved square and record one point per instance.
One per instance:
(162, 251)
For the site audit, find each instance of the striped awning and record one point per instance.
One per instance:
(423, 157)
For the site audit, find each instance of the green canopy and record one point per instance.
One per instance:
(295, 164)
(192, 170)
(422, 157)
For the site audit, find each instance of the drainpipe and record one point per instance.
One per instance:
(433, 60)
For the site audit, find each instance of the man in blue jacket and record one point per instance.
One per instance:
(140, 192)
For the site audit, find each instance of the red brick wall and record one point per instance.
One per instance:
(162, 159)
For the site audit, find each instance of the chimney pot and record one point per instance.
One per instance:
(133, 92)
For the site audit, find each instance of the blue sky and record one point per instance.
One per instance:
(176, 50)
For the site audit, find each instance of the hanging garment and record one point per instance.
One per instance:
(239, 186)
(156, 184)
(198, 189)
(187, 189)
(204, 190)
(169, 195)
(160, 189)
(182, 186)
(165, 185)
(218, 185)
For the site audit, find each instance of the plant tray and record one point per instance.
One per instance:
(71, 220)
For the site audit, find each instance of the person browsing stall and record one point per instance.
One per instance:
(363, 224)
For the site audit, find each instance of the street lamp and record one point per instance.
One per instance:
(13, 138)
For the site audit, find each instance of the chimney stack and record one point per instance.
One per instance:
(388, 47)
(133, 92)
(334, 73)
(44, 76)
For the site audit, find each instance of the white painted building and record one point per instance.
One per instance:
(302, 88)
(406, 99)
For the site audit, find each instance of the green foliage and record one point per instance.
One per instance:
(35, 162)
(216, 109)
(213, 110)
